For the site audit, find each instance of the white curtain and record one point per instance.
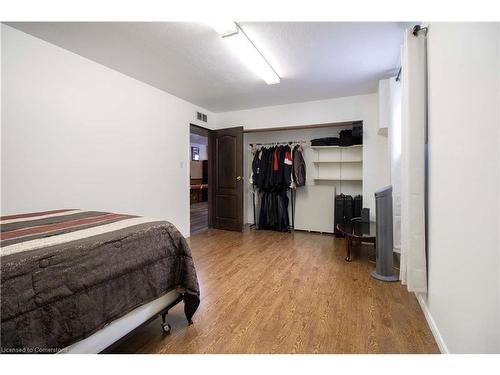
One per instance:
(395, 155)
(413, 259)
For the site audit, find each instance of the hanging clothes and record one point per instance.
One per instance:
(273, 176)
(288, 167)
(299, 166)
(259, 168)
(273, 213)
(268, 182)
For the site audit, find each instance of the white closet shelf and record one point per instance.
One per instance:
(335, 147)
(337, 161)
(338, 179)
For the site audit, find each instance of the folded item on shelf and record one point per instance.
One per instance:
(346, 137)
(326, 141)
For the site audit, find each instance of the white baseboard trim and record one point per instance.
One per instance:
(432, 324)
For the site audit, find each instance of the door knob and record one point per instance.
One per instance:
(238, 178)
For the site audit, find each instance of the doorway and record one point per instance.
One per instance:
(198, 189)
(216, 179)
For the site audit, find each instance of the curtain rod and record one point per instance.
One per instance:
(398, 77)
(415, 31)
(418, 28)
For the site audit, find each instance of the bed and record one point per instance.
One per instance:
(78, 281)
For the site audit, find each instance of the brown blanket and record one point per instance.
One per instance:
(66, 274)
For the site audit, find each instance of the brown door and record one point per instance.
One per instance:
(226, 209)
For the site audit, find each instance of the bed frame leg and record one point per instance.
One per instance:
(191, 303)
(164, 324)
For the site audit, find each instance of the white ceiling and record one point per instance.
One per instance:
(315, 60)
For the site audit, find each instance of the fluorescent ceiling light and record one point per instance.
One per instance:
(223, 28)
(243, 47)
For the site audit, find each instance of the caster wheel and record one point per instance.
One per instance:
(166, 328)
(347, 259)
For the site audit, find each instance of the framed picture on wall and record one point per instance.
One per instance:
(195, 153)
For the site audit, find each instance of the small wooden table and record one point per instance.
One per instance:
(357, 231)
(196, 192)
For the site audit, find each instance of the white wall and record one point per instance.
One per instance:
(463, 295)
(364, 107)
(77, 134)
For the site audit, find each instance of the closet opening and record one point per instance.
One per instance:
(307, 202)
(199, 197)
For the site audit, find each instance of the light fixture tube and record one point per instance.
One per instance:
(223, 28)
(246, 51)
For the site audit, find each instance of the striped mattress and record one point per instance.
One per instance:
(67, 273)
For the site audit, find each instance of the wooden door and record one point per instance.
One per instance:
(226, 172)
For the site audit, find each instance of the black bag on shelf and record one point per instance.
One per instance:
(358, 205)
(343, 211)
(326, 141)
(346, 137)
(357, 133)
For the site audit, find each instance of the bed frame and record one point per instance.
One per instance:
(116, 332)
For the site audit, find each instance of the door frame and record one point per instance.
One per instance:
(210, 173)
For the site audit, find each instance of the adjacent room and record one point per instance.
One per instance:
(198, 177)
(343, 187)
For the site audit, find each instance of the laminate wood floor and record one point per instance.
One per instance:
(268, 292)
(199, 217)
